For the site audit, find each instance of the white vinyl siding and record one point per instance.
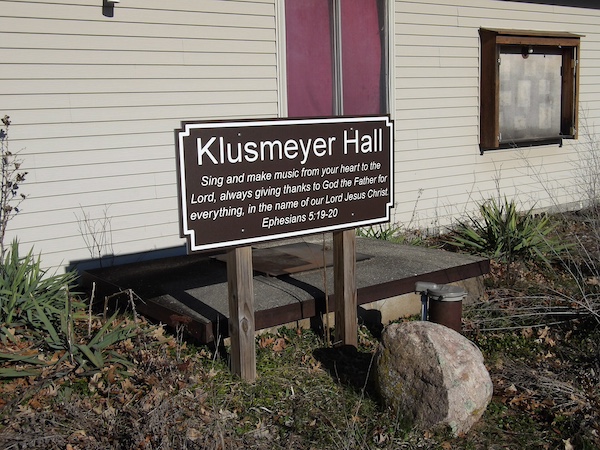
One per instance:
(95, 100)
(440, 174)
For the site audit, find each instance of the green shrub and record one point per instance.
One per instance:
(506, 235)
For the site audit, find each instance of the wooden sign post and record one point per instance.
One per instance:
(344, 285)
(241, 312)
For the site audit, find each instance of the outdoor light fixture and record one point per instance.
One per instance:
(108, 7)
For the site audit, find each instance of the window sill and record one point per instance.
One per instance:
(526, 143)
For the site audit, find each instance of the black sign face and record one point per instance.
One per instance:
(251, 181)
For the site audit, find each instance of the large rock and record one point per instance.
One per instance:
(432, 376)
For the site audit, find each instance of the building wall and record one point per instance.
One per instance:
(439, 170)
(94, 101)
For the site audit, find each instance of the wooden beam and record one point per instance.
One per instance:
(344, 284)
(241, 312)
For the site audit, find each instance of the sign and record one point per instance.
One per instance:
(251, 181)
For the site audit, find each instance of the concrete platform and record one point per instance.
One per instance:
(195, 286)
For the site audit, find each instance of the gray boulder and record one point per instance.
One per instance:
(432, 376)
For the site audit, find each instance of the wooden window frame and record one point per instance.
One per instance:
(492, 41)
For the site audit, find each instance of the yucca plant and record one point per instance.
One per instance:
(28, 295)
(38, 321)
(507, 235)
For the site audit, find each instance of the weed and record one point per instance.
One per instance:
(96, 233)
(11, 178)
(384, 232)
(397, 234)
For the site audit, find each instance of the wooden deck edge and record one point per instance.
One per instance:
(407, 285)
(206, 332)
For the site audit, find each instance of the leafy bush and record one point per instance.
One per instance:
(506, 235)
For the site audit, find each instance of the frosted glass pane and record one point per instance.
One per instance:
(530, 96)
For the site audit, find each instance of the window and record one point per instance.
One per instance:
(336, 57)
(529, 88)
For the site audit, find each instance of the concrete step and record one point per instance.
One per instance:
(290, 284)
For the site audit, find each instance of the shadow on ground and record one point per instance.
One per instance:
(349, 367)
